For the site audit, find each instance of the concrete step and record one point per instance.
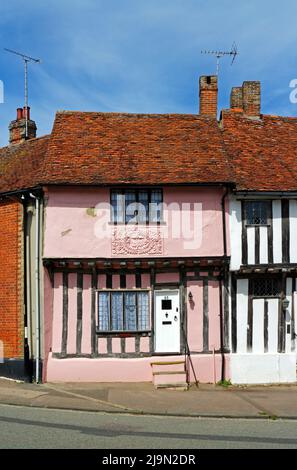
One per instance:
(169, 374)
(173, 366)
(167, 378)
(181, 386)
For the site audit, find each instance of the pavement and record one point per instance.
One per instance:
(262, 402)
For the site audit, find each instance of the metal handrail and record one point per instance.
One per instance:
(188, 356)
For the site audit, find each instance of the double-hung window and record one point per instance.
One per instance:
(139, 206)
(123, 310)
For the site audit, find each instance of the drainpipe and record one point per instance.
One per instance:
(224, 276)
(37, 287)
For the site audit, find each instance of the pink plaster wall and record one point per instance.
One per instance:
(195, 316)
(70, 226)
(86, 315)
(214, 315)
(167, 277)
(130, 345)
(57, 313)
(102, 345)
(145, 280)
(72, 313)
(127, 370)
(48, 319)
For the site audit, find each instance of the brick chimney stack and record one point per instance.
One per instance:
(247, 98)
(208, 95)
(236, 98)
(17, 128)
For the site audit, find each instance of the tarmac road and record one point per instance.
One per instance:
(39, 428)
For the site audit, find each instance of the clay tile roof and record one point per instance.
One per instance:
(21, 164)
(111, 148)
(262, 152)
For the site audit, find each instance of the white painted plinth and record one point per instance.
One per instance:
(262, 368)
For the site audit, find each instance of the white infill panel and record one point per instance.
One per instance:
(242, 313)
(235, 233)
(251, 245)
(272, 325)
(263, 245)
(293, 230)
(288, 315)
(277, 231)
(258, 326)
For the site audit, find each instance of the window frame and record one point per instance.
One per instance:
(149, 191)
(267, 202)
(272, 280)
(123, 331)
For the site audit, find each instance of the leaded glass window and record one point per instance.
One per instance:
(256, 212)
(123, 311)
(139, 206)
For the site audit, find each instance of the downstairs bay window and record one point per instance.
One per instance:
(123, 311)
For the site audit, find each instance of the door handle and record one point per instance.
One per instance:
(175, 318)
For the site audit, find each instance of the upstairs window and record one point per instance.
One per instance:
(139, 206)
(256, 212)
(264, 287)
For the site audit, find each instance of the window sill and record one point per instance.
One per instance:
(257, 225)
(124, 334)
(144, 224)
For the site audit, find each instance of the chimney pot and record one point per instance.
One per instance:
(17, 128)
(19, 114)
(26, 112)
(208, 95)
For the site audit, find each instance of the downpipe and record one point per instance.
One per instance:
(37, 286)
(223, 277)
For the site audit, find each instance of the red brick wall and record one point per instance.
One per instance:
(11, 314)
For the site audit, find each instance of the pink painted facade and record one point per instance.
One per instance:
(75, 349)
(73, 228)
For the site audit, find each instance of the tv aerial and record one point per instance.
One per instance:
(26, 60)
(219, 54)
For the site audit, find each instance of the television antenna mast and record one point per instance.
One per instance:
(219, 54)
(26, 60)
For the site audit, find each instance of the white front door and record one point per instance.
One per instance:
(167, 321)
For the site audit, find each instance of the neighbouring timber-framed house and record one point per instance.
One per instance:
(153, 247)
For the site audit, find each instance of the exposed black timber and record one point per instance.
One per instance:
(65, 314)
(138, 279)
(122, 281)
(123, 345)
(109, 345)
(226, 339)
(183, 308)
(233, 313)
(79, 312)
(250, 319)
(270, 233)
(265, 325)
(94, 341)
(257, 245)
(137, 344)
(285, 231)
(152, 282)
(293, 316)
(108, 281)
(205, 316)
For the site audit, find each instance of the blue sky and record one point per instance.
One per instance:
(142, 55)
